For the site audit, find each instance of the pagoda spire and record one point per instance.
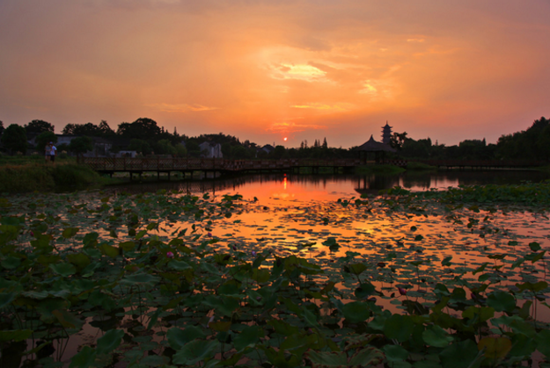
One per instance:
(386, 133)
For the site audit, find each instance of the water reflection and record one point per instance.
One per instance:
(323, 230)
(328, 186)
(441, 180)
(373, 184)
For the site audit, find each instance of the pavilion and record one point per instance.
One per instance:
(378, 148)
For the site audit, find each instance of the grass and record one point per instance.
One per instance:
(378, 169)
(545, 169)
(42, 177)
(419, 166)
(33, 159)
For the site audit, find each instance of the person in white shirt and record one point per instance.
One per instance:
(53, 151)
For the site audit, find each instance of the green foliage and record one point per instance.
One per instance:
(193, 148)
(14, 138)
(44, 139)
(44, 178)
(532, 143)
(164, 146)
(181, 151)
(279, 152)
(213, 303)
(81, 145)
(140, 146)
(419, 166)
(37, 127)
(142, 128)
(378, 169)
(89, 130)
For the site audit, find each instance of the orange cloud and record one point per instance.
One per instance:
(291, 127)
(326, 107)
(180, 107)
(304, 72)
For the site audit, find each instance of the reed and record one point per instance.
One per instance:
(419, 166)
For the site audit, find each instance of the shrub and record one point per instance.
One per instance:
(44, 178)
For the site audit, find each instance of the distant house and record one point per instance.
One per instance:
(31, 139)
(211, 150)
(268, 148)
(64, 139)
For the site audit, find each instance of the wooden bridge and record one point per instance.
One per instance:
(159, 165)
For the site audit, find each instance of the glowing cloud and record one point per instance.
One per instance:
(180, 107)
(304, 72)
(326, 107)
(291, 127)
(378, 88)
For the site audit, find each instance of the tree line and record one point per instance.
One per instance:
(530, 144)
(146, 137)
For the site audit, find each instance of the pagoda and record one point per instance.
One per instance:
(386, 133)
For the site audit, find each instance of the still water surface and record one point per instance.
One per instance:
(299, 215)
(330, 187)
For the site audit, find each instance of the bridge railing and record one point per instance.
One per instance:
(111, 164)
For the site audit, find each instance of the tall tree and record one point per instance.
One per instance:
(1, 127)
(105, 129)
(142, 128)
(14, 138)
(140, 146)
(397, 140)
(81, 145)
(43, 139)
(89, 129)
(36, 127)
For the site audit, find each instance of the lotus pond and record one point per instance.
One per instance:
(452, 278)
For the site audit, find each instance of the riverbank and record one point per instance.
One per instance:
(48, 177)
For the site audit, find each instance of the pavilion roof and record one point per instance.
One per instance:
(373, 146)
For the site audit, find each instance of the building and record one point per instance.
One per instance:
(379, 150)
(386, 133)
(211, 150)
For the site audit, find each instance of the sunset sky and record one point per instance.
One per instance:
(263, 70)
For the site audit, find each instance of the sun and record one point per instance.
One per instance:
(285, 139)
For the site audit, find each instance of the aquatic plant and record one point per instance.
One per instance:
(150, 276)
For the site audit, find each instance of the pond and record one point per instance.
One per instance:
(328, 187)
(259, 270)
